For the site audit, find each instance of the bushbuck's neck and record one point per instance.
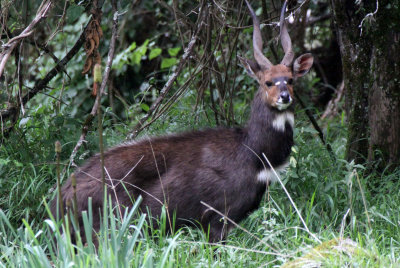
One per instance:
(269, 131)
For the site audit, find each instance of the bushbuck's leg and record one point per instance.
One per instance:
(219, 229)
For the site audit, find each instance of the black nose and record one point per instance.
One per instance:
(285, 96)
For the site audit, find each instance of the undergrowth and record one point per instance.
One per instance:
(347, 222)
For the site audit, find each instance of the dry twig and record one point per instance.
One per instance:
(106, 74)
(12, 43)
(331, 108)
(12, 112)
(167, 87)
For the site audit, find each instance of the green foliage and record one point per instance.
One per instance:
(168, 62)
(171, 61)
(133, 55)
(154, 52)
(173, 52)
(334, 197)
(120, 242)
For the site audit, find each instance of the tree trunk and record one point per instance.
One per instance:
(369, 39)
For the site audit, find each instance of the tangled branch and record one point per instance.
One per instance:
(168, 85)
(13, 42)
(110, 57)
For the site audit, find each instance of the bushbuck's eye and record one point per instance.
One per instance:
(290, 81)
(268, 83)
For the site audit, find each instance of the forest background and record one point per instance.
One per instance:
(172, 66)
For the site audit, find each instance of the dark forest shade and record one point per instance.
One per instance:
(222, 167)
(371, 68)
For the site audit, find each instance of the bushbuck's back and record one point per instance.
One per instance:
(221, 167)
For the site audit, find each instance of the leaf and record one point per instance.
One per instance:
(143, 48)
(137, 55)
(135, 58)
(173, 51)
(293, 161)
(168, 62)
(74, 12)
(145, 107)
(4, 162)
(155, 52)
(131, 47)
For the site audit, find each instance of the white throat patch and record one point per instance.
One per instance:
(268, 176)
(280, 120)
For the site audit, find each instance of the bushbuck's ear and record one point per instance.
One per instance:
(302, 65)
(251, 67)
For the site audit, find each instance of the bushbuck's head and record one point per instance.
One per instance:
(276, 81)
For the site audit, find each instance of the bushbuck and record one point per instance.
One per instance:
(224, 168)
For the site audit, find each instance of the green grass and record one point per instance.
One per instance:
(336, 199)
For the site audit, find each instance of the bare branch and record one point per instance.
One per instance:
(331, 108)
(167, 87)
(42, 83)
(10, 45)
(313, 20)
(106, 74)
(177, 13)
(368, 17)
